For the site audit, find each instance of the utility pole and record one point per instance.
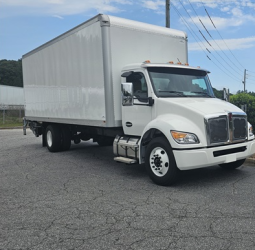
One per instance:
(244, 80)
(168, 13)
(226, 94)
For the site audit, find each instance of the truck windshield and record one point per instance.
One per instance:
(180, 82)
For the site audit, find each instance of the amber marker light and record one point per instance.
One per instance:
(178, 135)
(184, 138)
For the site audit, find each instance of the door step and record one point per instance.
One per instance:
(125, 160)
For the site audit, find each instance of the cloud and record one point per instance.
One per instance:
(236, 18)
(224, 13)
(60, 7)
(232, 44)
(153, 5)
(223, 4)
(220, 22)
(59, 17)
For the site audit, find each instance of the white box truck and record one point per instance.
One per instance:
(95, 82)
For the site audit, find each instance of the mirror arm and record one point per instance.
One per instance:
(151, 101)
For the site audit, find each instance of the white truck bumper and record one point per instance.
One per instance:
(205, 157)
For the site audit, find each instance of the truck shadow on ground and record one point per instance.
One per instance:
(214, 175)
(91, 157)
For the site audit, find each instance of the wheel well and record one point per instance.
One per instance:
(147, 137)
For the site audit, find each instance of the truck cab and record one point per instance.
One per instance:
(172, 120)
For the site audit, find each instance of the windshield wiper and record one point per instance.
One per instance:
(174, 92)
(202, 93)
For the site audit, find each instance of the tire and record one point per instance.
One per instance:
(65, 139)
(53, 138)
(160, 163)
(232, 165)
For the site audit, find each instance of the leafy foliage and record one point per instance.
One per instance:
(11, 73)
(249, 100)
(218, 93)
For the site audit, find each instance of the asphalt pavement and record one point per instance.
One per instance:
(82, 199)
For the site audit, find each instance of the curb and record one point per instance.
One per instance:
(250, 161)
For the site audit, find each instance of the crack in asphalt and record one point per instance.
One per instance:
(82, 199)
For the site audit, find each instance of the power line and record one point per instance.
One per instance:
(252, 76)
(212, 37)
(234, 71)
(195, 35)
(221, 36)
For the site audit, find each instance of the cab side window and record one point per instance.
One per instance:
(139, 86)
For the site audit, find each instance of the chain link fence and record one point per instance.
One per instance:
(11, 115)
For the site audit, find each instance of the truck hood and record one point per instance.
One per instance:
(187, 114)
(202, 106)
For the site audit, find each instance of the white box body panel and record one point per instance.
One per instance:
(65, 80)
(11, 96)
(76, 77)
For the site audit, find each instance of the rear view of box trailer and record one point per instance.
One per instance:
(76, 77)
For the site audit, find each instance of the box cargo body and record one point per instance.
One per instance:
(75, 78)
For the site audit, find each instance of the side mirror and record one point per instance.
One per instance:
(127, 94)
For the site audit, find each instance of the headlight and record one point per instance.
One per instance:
(250, 130)
(184, 138)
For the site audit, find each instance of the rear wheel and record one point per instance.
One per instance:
(232, 165)
(53, 138)
(160, 162)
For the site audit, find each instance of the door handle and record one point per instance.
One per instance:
(129, 124)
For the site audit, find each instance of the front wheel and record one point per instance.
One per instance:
(160, 162)
(232, 165)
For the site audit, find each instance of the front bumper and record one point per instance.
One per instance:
(205, 157)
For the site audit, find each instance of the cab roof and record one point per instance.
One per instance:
(168, 65)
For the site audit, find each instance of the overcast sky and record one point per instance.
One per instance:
(221, 33)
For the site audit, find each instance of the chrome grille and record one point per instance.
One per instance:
(218, 129)
(239, 128)
(226, 128)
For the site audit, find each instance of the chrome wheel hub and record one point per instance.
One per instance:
(159, 161)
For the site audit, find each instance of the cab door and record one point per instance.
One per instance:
(135, 117)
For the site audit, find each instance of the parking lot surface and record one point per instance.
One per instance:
(82, 199)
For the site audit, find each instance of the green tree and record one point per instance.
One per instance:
(249, 100)
(218, 93)
(11, 73)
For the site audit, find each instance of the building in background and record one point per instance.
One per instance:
(11, 96)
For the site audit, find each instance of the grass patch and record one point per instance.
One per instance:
(11, 125)
(11, 118)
